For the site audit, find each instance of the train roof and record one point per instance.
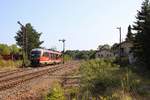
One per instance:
(46, 50)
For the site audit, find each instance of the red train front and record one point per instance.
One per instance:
(43, 56)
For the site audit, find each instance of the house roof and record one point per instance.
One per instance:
(109, 50)
(122, 43)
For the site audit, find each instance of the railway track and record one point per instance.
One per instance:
(24, 75)
(10, 72)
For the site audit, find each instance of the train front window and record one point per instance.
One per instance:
(35, 54)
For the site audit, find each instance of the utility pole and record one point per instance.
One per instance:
(24, 45)
(63, 41)
(119, 28)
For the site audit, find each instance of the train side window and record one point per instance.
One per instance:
(55, 56)
(50, 56)
(46, 54)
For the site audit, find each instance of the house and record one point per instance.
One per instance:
(124, 50)
(104, 53)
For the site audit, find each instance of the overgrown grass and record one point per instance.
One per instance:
(10, 64)
(107, 81)
(67, 58)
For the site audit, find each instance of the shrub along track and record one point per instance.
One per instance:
(25, 75)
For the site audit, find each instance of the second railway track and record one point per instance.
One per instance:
(10, 72)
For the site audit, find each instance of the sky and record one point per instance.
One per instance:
(84, 24)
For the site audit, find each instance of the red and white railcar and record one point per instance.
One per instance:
(44, 56)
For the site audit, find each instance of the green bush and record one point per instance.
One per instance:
(72, 92)
(97, 75)
(4, 49)
(56, 93)
(105, 80)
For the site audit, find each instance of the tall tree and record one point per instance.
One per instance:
(33, 38)
(129, 34)
(141, 41)
(105, 46)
